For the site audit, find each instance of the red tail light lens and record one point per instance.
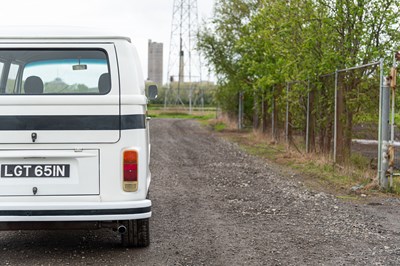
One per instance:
(130, 172)
(130, 169)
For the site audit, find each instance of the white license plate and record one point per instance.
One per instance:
(35, 170)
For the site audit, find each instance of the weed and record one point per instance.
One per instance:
(219, 126)
(359, 161)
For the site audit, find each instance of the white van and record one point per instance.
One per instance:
(74, 140)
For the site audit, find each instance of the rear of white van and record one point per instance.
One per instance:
(74, 147)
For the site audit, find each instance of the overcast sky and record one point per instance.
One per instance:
(139, 19)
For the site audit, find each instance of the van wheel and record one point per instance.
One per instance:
(137, 233)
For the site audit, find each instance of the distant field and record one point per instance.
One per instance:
(181, 112)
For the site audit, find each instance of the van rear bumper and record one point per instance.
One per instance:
(74, 211)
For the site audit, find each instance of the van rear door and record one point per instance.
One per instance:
(57, 94)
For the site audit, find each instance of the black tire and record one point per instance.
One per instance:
(137, 233)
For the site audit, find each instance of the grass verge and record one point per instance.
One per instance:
(180, 113)
(316, 170)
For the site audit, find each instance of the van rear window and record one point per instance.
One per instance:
(57, 71)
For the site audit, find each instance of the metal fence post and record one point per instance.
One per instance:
(241, 111)
(166, 95)
(384, 130)
(287, 114)
(380, 121)
(308, 119)
(273, 113)
(190, 99)
(336, 118)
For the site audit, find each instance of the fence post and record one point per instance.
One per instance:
(273, 113)
(287, 115)
(167, 90)
(336, 118)
(240, 114)
(380, 121)
(384, 130)
(190, 98)
(308, 119)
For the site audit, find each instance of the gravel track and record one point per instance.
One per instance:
(215, 205)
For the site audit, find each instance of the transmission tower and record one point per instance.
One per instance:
(184, 65)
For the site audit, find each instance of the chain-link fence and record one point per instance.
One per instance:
(335, 114)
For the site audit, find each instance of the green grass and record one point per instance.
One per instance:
(153, 106)
(396, 186)
(359, 161)
(182, 115)
(262, 150)
(256, 146)
(219, 126)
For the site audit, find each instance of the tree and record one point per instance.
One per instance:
(219, 44)
(364, 31)
(256, 46)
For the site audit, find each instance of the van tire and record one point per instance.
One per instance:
(137, 233)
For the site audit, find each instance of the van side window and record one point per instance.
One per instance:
(57, 71)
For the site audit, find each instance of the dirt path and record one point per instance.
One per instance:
(215, 205)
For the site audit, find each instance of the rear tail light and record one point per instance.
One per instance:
(130, 167)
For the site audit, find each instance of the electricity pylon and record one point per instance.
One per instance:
(184, 66)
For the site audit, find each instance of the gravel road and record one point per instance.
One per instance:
(215, 205)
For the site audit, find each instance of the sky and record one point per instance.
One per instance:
(140, 20)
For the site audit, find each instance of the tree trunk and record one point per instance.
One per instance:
(256, 123)
(321, 140)
(264, 108)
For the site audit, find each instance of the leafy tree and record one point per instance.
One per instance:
(364, 31)
(218, 42)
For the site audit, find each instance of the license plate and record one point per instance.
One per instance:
(34, 170)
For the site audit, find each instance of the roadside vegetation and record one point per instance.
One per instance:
(258, 48)
(354, 180)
